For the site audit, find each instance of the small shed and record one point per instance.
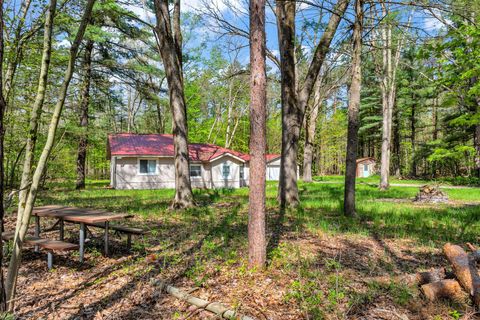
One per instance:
(366, 167)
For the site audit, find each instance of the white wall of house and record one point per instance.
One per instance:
(273, 170)
(125, 173)
(218, 179)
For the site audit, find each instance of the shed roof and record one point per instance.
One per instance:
(366, 159)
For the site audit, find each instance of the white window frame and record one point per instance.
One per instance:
(147, 173)
(190, 172)
(229, 177)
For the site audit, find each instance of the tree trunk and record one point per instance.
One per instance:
(387, 106)
(291, 115)
(258, 141)
(396, 144)
(448, 288)
(311, 126)
(10, 182)
(293, 109)
(17, 48)
(464, 270)
(3, 300)
(85, 100)
(413, 127)
(36, 112)
(388, 74)
(168, 47)
(476, 142)
(22, 226)
(353, 113)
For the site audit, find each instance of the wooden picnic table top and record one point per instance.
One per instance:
(81, 215)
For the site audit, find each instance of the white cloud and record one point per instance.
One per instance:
(221, 5)
(435, 21)
(142, 12)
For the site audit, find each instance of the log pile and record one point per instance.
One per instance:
(463, 281)
(431, 194)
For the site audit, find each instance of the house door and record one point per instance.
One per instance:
(366, 172)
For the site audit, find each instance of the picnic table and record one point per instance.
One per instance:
(83, 216)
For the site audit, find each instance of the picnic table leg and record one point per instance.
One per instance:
(129, 241)
(49, 260)
(37, 230)
(62, 229)
(82, 240)
(106, 237)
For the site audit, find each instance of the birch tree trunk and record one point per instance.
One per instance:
(258, 142)
(22, 227)
(388, 89)
(353, 113)
(288, 190)
(85, 100)
(3, 300)
(170, 51)
(310, 128)
(36, 111)
(17, 48)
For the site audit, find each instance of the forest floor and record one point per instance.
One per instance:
(321, 265)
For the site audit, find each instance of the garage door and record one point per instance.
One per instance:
(273, 172)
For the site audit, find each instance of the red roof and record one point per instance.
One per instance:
(161, 145)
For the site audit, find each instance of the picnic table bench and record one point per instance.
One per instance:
(49, 245)
(85, 217)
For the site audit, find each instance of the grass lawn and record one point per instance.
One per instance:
(321, 264)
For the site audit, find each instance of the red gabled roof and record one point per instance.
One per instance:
(161, 145)
(129, 144)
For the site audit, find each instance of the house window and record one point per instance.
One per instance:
(226, 171)
(242, 172)
(195, 170)
(365, 167)
(148, 166)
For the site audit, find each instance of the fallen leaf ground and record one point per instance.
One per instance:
(321, 265)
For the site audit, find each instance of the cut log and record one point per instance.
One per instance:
(448, 288)
(433, 275)
(464, 270)
(475, 255)
(411, 279)
(217, 308)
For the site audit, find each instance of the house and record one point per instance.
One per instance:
(366, 167)
(146, 161)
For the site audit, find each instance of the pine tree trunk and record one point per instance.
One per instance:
(170, 51)
(353, 113)
(85, 100)
(23, 222)
(258, 140)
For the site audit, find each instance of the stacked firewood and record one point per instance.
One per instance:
(431, 194)
(464, 279)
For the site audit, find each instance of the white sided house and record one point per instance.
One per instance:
(146, 161)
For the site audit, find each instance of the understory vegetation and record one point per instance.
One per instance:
(321, 264)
